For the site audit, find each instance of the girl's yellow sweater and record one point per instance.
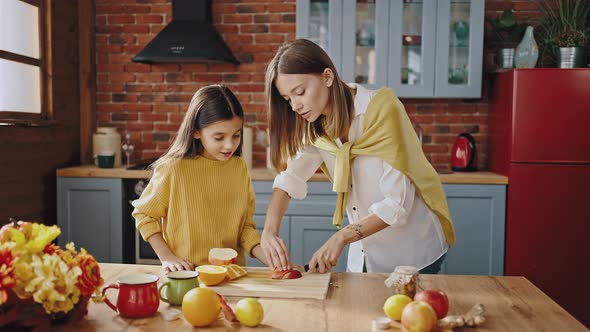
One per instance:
(199, 204)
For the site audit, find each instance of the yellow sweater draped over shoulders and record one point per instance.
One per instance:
(388, 134)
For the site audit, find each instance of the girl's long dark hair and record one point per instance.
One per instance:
(289, 131)
(209, 104)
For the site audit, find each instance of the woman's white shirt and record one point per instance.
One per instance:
(414, 236)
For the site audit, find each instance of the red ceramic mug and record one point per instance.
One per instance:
(138, 295)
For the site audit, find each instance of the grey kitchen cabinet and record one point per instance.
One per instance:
(479, 217)
(478, 213)
(421, 49)
(90, 213)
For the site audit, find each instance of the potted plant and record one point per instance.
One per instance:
(507, 32)
(565, 29)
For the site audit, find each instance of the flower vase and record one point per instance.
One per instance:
(527, 52)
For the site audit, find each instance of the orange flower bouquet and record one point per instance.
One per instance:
(40, 283)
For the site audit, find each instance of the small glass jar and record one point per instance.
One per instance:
(403, 280)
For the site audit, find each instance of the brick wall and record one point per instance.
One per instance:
(148, 101)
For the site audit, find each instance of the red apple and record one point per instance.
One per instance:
(437, 299)
(418, 316)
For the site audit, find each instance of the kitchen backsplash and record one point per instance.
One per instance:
(148, 101)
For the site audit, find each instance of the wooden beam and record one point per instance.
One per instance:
(86, 20)
(36, 3)
(19, 58)
(45, 29)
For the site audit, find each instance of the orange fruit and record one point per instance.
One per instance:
(211, 275)
(200, 306)
(235, 271)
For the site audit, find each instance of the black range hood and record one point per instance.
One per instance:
(189, 37)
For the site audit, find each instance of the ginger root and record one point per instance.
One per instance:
(473, 317)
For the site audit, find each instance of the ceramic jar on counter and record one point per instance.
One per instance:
(107, 139)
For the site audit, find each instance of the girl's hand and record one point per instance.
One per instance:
(174, 263)
(275, 251)
(325, 258)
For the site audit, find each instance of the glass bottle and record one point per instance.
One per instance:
(128, 148)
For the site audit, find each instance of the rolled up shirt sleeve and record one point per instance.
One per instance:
(399, 193)
(300, 168)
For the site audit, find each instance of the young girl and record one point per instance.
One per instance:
(200, 195)
(365, 142)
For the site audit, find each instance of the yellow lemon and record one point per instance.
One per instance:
(200, 306)
(210, 275)
(394, 306)
(249, 312)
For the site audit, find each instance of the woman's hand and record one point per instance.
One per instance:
(275, 251)
(325, 258)
(173, 263)
(259, 254)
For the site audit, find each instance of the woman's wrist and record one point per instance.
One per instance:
(270, 231)
(345, 236)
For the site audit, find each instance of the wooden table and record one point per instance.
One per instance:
(512, 304)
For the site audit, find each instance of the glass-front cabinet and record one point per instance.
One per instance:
(459, 45)
(419, 48)
(321, 22)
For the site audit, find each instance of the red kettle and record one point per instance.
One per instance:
(464, 154)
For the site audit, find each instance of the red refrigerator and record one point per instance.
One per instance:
(540, 139)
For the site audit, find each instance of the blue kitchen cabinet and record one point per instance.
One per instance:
(478, 213)
(310, 220)
(479, 217)
(308, 234)
(283, 233)
(89, 213)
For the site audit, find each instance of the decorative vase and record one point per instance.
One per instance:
(570, 57)
(527, 52)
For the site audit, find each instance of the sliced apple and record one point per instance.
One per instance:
(227, 310)
(222, 256)
(285, 274)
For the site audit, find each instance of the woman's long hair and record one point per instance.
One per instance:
(209, 104)
(289, 131)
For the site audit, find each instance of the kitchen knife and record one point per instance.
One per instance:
(306, 267)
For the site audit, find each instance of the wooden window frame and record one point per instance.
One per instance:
(45, 117)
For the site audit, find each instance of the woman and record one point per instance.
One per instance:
(365, 142)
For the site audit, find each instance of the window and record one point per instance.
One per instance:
(22, 62)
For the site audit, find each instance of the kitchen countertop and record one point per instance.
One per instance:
(265, 174)
(354, 300)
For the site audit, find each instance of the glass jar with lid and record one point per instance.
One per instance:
(403, 280)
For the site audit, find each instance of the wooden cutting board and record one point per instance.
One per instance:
(257, 283)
